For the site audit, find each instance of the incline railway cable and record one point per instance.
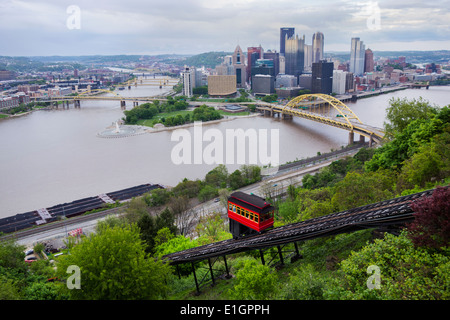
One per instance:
(393, 211)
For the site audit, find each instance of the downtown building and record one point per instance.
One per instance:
(369, 64)
(322, 77)
(253, 54)
(294, 55)
(357, 57)
(188, 78)
(238, 61)
(317, 46)
(285, 33)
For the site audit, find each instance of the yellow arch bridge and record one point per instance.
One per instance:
(327, 110)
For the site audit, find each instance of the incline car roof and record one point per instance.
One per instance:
(250, 199)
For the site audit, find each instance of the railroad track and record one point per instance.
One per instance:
(384, 213)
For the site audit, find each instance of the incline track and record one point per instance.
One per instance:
(390, 212)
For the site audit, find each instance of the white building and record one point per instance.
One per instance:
(308, 57)
(286, 81)
(357, 57)
(188, 77)
(339, 78)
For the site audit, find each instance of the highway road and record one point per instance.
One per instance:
(276, 184)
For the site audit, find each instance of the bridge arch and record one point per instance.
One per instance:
(346, 113)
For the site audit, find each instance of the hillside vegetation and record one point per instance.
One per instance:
(120, 261)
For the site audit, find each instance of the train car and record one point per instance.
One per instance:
(248, 214)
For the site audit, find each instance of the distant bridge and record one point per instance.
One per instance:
(320, 108)
(93, 95)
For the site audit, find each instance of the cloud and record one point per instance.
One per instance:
(195, 26)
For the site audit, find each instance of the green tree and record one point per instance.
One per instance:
(406, 272)
(358, 189)
(147, 231)
(288, 211)
(208, 192)
(114, 265)
(422, 168)
(314, 203)
(236, 180)
(211, 228)
(254, 281)
(12, 255)
(166, 219)
(402, 111)
(217, 177)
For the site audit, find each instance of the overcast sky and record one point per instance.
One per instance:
(47, 27)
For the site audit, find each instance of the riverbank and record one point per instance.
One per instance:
(191, 124)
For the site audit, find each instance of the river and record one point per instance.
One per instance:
(55, 156)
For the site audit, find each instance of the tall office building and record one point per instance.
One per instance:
(285, 32)
(253, 54)
(369, 65)
(188, 81)
(295, 55)
(308, 57)
(275, 57)
(339, 81)
(317, 46)
(239, 67)
(322, 77)
(357, 56)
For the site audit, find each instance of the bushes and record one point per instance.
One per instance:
(406, 272)
(253, 281)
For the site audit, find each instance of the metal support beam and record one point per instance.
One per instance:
(195, 277)
(281, 255)
(211, 271)
(226, 267)
(262, 256)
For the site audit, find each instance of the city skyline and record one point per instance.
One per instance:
(53, 27)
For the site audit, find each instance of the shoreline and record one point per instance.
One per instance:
(191, 124)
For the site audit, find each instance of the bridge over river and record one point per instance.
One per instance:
(320, 108)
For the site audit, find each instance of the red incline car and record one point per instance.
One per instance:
(248, 214)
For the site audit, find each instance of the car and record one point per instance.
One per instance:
(28, 252)
(30, 261)
(216, 200)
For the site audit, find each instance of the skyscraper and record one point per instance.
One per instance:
(253, 54)
(322, 77)
(275, 56)
(317, 46)
(295, 55)
(289, 32)
(239, 67)
(368, 61)
(357, 57)
(308, 57)
(188, 81)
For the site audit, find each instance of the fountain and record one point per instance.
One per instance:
(116, 131)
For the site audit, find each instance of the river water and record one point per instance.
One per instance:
(54, 156)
